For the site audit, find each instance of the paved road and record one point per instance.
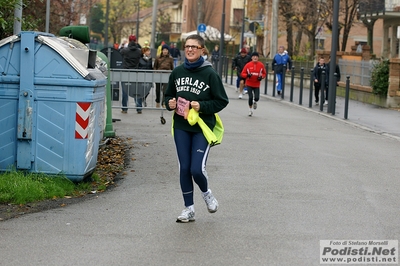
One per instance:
(285, 178)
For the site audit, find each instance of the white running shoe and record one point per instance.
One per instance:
(240, 96)
(255, 105)
(186, 216)
(211, 202)
(250, 113)
(245, 91)
(326, 103)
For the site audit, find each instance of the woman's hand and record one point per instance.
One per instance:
(172, 103)
(195, 105)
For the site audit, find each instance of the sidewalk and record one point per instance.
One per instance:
(370, 117)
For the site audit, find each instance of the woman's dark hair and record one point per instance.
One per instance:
(197, 37)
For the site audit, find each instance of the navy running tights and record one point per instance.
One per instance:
(192, 149)
(250, 91)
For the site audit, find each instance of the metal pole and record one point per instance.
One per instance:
(137, 21)
(283, 81)
(242, 34)
(332, 63)
(346, 99)
(274, 83)
(222, 38)
(106, 24)
(48, 16)
(274, 28)
(301, 86)
(333, 108)
(292, 84)
(231, 73)
(266, 79)
(153, 26)
(311, 88)
(18, 17)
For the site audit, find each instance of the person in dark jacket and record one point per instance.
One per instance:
(238, 64)
(130, 60)
(194, 85)
(215, 56)
(163, 62)
(145, 62)
(318, 84)
(175, 53)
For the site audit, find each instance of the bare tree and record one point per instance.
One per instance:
(348, 14)
(287, 11)
(309, 16)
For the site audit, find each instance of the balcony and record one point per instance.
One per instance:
(379, 8)
(176, 27)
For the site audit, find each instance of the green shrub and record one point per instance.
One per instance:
(380, 78)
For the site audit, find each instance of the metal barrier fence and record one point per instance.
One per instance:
(303, 77)
(360, 71)
(141, 86)
(139, 89)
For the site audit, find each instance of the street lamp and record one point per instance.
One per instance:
(242, 35)
(222, 39)
(137, 4)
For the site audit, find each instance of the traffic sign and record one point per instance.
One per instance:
(202, 27)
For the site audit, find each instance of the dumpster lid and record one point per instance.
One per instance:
(77, 54)
(70, 51)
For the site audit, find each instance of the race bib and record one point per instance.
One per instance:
(182, 107)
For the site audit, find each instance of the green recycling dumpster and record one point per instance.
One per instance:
(52, 105)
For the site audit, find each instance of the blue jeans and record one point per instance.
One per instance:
(192, 149)
(124, 97)
(279, 81)
(139, 101)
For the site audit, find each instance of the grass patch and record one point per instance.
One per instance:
(20, 188)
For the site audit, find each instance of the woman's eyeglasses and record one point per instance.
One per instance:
(193, 47)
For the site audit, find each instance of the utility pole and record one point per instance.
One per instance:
(17, 17)
(265, 44)
(274, 28)
(153, 26)
(199, 15)
(137, 20)
(106, 24)
(242, 36)
(332, 63)
(222, 40)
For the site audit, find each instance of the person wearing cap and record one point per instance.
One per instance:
(237, 64)
(280, 62)
(194, 87)
(253, 72)
(130, 60)
(164, 61)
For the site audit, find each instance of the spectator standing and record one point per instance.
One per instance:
(320, 67)
(253, 72)
(215, 56)
(145, 62)
(159, 49)
(163, 62)
(238, 64)
(194, 84)
(175, 53)
(279, 63)
(130, 60)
